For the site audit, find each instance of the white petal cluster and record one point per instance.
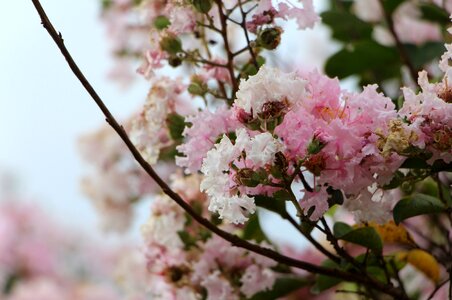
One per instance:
(268, 85)
(260, 150)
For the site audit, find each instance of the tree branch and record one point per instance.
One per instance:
(233, 239)
(402, 50)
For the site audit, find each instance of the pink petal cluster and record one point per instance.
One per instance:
(206, 127)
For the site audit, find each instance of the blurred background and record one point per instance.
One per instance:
(44, 109)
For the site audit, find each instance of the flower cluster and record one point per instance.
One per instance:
(186, 261)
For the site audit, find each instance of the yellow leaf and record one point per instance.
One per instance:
(392, 233)
(422, 261)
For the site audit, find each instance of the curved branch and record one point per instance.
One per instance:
(233, 239)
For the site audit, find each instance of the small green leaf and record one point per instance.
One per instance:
(188, 240)
(346, 26)
(176, 126)
(434, 13)
(253, 230)
(282, 287)
(364, 58)
(203, 6)
(341, 229)
(161, 22)
(395, 182)
(414, 163)
(363, 236)
(415, 205)
(421, 55)
(271, 204)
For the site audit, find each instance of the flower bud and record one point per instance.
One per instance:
(171, 44)
(269, 38)
(317, 143)
(197, 86)
(315, 164)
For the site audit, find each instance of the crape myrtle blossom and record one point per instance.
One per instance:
(267, 86)
(184, 259)
(228, 169)
(206, 127)
(334, 134)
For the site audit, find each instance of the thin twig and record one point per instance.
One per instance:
(230, 55)
(245, 31)
(437, 288)
(402, 50)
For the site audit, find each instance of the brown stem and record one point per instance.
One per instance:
(309, 237)
(402, 50)
(233, 239)
(229, 53)
(248, 43)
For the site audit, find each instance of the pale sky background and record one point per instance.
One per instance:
(44, 109)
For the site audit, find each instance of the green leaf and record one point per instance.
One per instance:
(432, 12)
(421, 55)
(364, 236)
(176, 125)
(415, 205)
(341, 229)
(395, 182)
(203, 6)
(282, 287)
(161, 22)
(324, 282)
(414, 163)
(188, 240)
(253, 230)
(391, 5)
(10, 283)
(271, 204)
(346, 26)
(366, 58)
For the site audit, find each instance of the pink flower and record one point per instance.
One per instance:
(317, 200)
(206, 128)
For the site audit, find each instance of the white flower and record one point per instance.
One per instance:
(235, 209)
(218, 288)
(368, 10)
(268, 85)
(163, 228)
(262, 149)
(256, 279)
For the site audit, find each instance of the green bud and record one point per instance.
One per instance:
(161, 22)
(269, 38)
(407, 187)
(203, 6)
(315, 146)
(197, 86)
(171, 44)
